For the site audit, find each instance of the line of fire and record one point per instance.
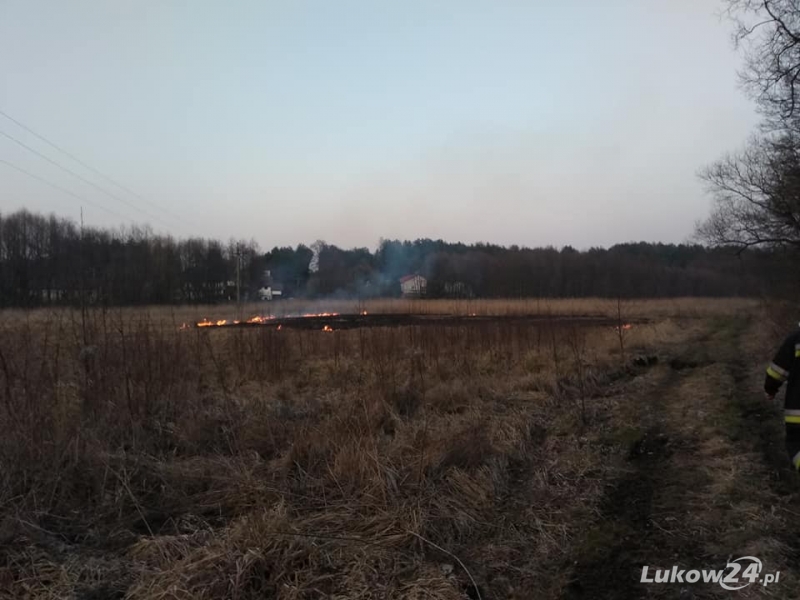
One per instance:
(329, 322)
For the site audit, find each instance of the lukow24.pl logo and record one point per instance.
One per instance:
(736, 575)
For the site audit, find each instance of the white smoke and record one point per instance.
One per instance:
(316, 248)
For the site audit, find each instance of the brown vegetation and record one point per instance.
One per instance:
(596, 307)
(146, 461)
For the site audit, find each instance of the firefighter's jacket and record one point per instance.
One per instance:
(786, 367)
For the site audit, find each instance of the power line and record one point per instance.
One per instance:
(64, 190)
(74, 174)
(90, 168)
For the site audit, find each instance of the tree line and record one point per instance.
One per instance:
(47, 260)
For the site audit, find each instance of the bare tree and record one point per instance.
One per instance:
(756, 195)
(769, 33)
(756, 192)
(622, 327)
(576, 342)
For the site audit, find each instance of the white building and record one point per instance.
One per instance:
(413, 286)
(270, 292)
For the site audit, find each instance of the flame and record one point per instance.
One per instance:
(261, 319)
(279, 327)
(183, 326)
(207, 323)
(624, 327)
(363, 313)
(327, 328)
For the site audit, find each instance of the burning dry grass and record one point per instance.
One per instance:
(418, 462)
(607, 307)
(597, 307)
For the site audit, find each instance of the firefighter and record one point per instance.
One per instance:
(786, 367)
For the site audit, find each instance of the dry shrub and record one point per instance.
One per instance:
(467, 449)
(406, 400)
(268, 555)
(450, 396)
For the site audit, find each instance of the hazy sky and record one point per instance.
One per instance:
(571, 122)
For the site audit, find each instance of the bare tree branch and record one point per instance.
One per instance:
(756, 195)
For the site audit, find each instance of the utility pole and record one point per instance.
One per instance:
(238, 281)
(81, 269)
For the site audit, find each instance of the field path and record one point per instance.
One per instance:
(706, 479)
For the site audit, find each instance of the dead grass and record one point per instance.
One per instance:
(153, 462)
(681, 308)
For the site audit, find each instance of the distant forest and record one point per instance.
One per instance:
(47, 260)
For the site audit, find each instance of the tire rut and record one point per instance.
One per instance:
(621, 536)
(625, 536)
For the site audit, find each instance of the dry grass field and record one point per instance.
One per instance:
(493, 459)
(651, 309)
(679, 307)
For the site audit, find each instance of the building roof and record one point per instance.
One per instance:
(410, 277)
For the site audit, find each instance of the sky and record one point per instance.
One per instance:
(532, 123)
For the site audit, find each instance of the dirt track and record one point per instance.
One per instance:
(706, 481)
